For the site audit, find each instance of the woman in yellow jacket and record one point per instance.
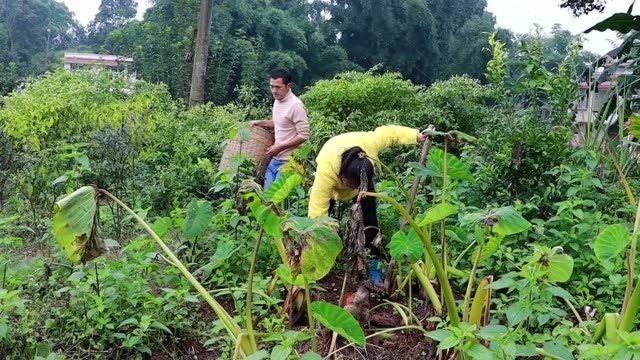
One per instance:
(339, 164)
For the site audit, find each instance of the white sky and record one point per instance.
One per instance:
(517, 15)
(520, 16)
(85, 10)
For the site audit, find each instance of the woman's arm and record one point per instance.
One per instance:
(320, 195)
(392, 135)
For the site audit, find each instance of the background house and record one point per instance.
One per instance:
(74, 61)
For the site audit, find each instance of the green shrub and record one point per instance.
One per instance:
(515, 161)
(67, 106)
(355, 101)
(455, 104)
(124, 307)
(75, 128)
(184, 153)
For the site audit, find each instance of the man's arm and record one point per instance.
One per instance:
(276, 149)
(263, 123)
(301, 123)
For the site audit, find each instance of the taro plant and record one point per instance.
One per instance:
(76, 227)
(308, 249)
(613, 240)
(488, 228)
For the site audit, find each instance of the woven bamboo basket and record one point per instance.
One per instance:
(255, 148)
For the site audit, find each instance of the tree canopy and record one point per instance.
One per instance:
(31, 31)
(423, 40)
(583, 7)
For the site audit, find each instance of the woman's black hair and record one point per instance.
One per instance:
(355, 165)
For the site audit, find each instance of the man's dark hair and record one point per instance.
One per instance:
(354, 162)
(281, 74)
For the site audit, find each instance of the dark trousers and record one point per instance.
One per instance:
(369, 220)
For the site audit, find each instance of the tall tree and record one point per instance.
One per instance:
(451, 17)
(203, 32)
(112, 15)
(401, 34)
(32, 31)
(248, 39)
(468, 48)
(583, 7)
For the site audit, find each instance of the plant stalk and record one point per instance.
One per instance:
(230, 325)
(450, 300)
(631, 259)
(393, 175)
(629, 315)
(249, 307)
(428, 287)
(545, 354)
(462, 254)
(283, 252)
(597, 334)
(623, 178)
(610, 327)
(444, 170)
(472, 277)
(312, 327)
(410, 207)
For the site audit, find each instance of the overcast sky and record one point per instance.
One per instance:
(516, 15)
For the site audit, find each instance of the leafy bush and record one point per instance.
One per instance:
(456, 104)
(65, 106)
(184, 153)
(72, 128)
(126, 306)
(355, 101)
(514, 161)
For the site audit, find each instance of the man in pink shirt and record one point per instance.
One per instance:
(289, 121)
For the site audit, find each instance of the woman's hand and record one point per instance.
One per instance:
(422, 135)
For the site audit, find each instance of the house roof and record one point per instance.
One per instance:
(96, 59)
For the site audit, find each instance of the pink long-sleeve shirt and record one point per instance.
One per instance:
(289, 120)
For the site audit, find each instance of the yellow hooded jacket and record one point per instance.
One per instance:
(327, 184)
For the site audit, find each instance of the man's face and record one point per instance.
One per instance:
(279, 89)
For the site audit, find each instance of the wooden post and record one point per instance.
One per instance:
(199, 74)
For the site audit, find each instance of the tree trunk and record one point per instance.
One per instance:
(198, 78)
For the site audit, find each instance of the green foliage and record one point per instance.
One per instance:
(438, 213)
(458, 103)
(185, 152)
(112, 15)
(389, 37)
(405, 247)
(84, 102)
(611, 242)
(9, 78)
(127, 307)
(338, 320)
(583, 7)
(456, 169)
(248, 40)
(497, 66)
(356, 101)
(516, 156)
(519, 205)
(74, 225)
(31, 35)
(199, 214)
